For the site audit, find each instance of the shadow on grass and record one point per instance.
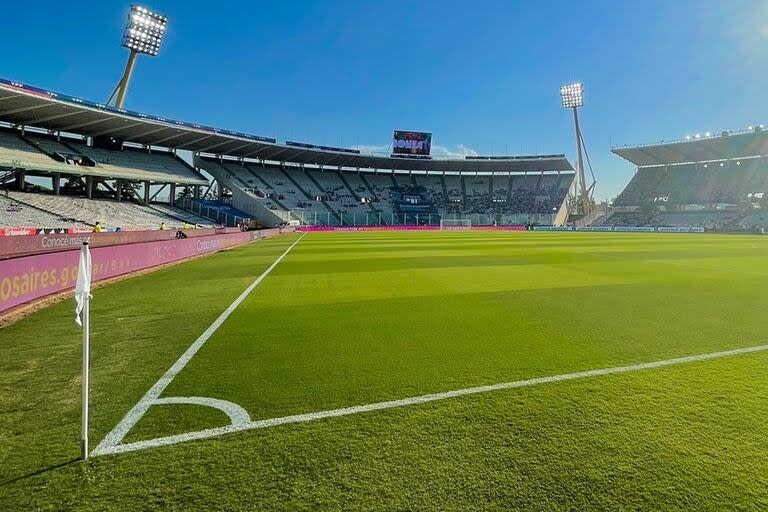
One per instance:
(39, 472)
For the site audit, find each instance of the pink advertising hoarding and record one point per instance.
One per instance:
(26, 279)
(412, 228)
(15, 246)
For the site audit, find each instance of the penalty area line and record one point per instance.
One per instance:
(377, 406)
(115, 437)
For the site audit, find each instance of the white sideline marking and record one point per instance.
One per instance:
(117, 434)
(346, 411)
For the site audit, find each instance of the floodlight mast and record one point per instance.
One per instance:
(122, 85)
(143, 33)
(572, 96)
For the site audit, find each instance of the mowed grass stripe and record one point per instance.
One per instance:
(335, 338)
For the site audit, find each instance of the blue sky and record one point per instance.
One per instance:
(480, 75)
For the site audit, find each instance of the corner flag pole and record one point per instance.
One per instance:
(82, 297)
(86, 371)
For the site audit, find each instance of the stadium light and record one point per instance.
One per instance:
(572, 95)
(144, 31)
(143, 34)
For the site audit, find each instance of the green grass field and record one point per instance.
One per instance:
(349, 319)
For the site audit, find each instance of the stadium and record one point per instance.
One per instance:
(261, 323)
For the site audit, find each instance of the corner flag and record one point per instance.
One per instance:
(83, 286)
(83, 297)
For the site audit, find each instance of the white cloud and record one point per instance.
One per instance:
(454, 152)
(372, 149)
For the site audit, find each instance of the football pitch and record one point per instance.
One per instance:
(405, 371)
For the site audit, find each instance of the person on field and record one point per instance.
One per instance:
(97, 227)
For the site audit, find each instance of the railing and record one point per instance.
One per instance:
(217, 216)
(314, 218)
(599, 212)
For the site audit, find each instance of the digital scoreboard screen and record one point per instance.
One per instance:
(414, 144)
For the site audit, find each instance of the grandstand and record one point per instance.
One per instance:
(341, 196)
(718, 183)
(96, 155)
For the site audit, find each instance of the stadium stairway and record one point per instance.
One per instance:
(349, 187)
(268, 188)
(361, 184)
(296, 184)
(445, 187)
(242, 197)
(373, 195)
(509, 188)
(323, 192)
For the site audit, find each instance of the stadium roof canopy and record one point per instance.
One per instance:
(25, 105)
(724, 146)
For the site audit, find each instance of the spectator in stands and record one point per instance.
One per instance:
(97, 227)
(162, 226)
(186, 225)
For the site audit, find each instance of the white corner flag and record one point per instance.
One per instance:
(82, 297)
(83, 286)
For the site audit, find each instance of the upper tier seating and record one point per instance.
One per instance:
(137, 164)
(36, 152)
(16, 152)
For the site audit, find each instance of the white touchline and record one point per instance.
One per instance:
(138, 410)
(113, 448)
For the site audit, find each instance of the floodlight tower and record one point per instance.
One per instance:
(143, 33)
(572, 96)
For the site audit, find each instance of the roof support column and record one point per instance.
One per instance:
(119, 189)
(89, 187)
(56, 183)
(172, 197)
(146, 192)
(20, 177)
